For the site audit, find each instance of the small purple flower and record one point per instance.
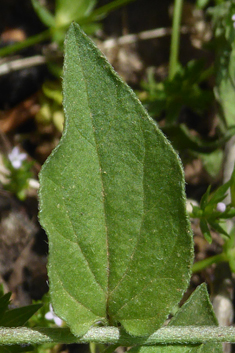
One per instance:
(16, 157)
(221, 207)
(52, 316)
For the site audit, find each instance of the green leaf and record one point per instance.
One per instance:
(232, 187)
(52, 90)
(212, 162)
(45, 15)
(205, 230)
(15, 348)
(204, 199)
(113, 204)
(2, 291)
(4, 302)
(225, 59)
(19, 316)
(197, 311)
(102, 11)
(218, 228)
(202, 3)
(225, 87)
(219, 194)
(182, 139)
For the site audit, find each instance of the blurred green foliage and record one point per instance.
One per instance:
(51, 105)
(83, 12)
(168, 97)
(189, 89)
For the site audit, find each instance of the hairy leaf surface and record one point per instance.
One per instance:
(197, 311)
(112, 203)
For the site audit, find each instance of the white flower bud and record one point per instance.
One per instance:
(221, 207)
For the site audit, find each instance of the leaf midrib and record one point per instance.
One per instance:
(102, 184)
(103, 196)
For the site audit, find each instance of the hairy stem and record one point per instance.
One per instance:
(112, 335)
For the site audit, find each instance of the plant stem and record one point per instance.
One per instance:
(175, 38)
(26, 43)
(201, 265)
(112, 335)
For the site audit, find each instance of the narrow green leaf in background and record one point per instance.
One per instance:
(18, 316)
(113, 204)
(43, 13)
(4, 302)
(232, 187)
(15, 348)
(225, 85)
(197, 311)
(225, 59)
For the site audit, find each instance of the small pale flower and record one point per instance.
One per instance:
(221, 207)
(52, 316)
(16, 157)
(233, 19)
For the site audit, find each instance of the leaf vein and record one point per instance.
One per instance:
(77, 242)
(84, 137)
(66, 290)
(133, 252)
(88, 264)
(143, 288)
(101, 178)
